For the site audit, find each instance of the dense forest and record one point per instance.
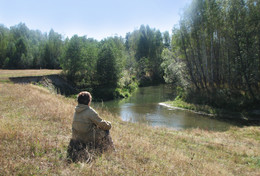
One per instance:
(217, 46)
(212, 56)
(114, 66)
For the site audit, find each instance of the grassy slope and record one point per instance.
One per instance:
(35, 128)
(5, 74)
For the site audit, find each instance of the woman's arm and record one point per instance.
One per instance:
(103, 124)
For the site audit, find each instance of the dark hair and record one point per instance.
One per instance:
(84, 98)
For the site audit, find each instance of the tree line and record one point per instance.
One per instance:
(213, 54)
(216, 51)
(22, 48)
(114, 62)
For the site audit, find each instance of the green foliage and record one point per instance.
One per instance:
(174, 68)
(24, 48)
(126, 85)
(79, 61)
(52, 50)
(146, 45)
(181, 93)
(4, 32)
(95, 65)
(109, 64)
(6, 63)
(72, 61)
(166, 39)
(87, 62)
(218, 42)
(121, 93)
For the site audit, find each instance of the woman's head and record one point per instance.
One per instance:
(84, 98)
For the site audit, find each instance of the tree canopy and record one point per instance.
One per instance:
(219, 43)
(214, 52)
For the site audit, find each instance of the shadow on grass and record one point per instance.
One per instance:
(237, 118)
(53, 82)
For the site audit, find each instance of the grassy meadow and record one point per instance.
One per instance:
(35, 129)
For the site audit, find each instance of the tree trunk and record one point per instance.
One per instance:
(211, 62)
(189, 64)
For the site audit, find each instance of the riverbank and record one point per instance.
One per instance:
(246, 118)
(35, 129)
(57, 82)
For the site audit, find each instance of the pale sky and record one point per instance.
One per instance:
(96, 18)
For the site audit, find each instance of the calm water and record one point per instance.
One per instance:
(143, 106)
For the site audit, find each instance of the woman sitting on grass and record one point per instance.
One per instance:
(89, 131)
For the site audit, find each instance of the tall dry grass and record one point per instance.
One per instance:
(35, 128)
(6, 74)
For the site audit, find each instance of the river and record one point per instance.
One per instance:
(143, 107)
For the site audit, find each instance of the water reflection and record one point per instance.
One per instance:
(143, 106)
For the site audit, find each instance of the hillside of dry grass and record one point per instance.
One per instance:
(35, 128)
(5, 74)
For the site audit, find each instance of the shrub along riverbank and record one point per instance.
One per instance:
(35, 128)
(244, 116)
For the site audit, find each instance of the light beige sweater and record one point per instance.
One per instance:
(87, 126)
